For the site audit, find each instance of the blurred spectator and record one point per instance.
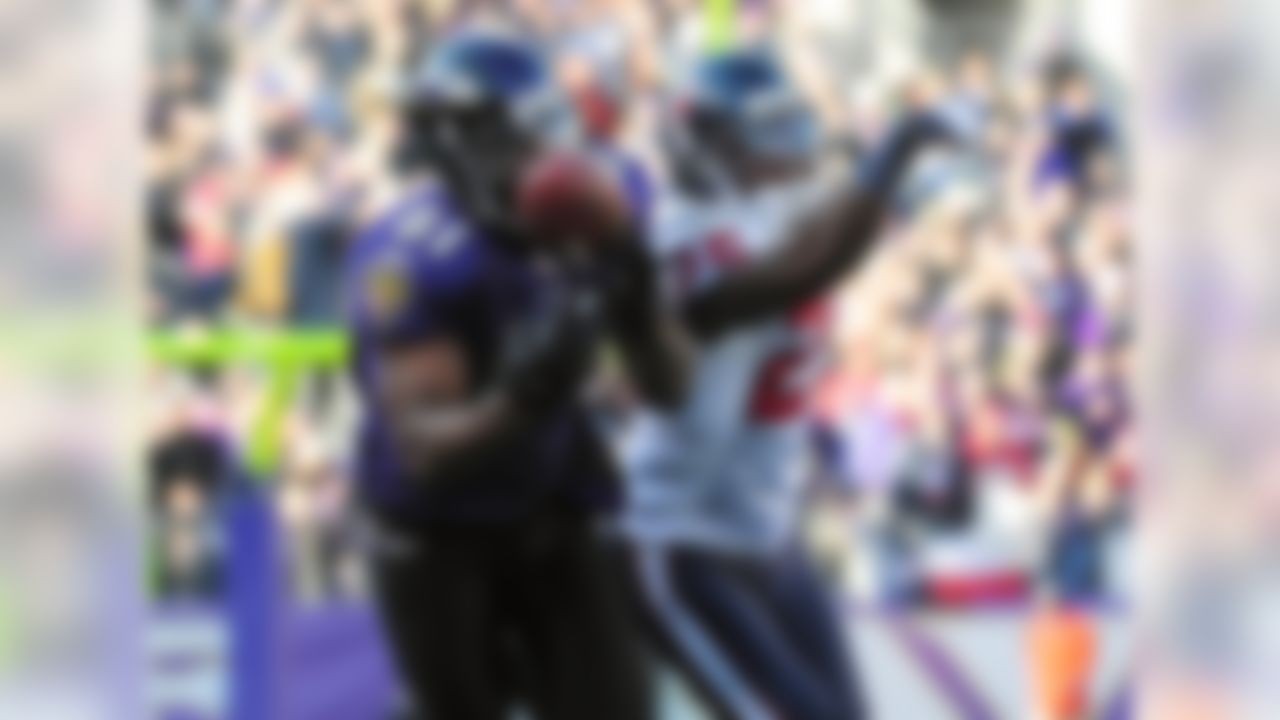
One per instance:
(188, 471)
(315, 504)
(189, 562)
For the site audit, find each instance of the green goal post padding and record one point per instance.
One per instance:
(287, 356)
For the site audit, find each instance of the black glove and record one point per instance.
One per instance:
(547, 358)
(630, 285)
(888, 162)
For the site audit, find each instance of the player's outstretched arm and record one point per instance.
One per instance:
(822, 248)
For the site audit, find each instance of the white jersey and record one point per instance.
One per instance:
(724, 469)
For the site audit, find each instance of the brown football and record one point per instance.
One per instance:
(567, 197)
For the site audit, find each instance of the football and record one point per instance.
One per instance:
(566, 197)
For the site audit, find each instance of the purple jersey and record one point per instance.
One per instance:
(423, 272)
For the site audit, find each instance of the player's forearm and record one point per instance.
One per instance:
(658, 358)
(825, 248)
(655, 346)
(441, 445)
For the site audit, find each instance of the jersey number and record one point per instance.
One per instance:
(781, 388)
(778, 394)
(783, 385)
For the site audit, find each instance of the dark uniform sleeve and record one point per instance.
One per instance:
(389, 304)
(408, 273)
(417, 275)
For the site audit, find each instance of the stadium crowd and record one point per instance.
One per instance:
(974, 428)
